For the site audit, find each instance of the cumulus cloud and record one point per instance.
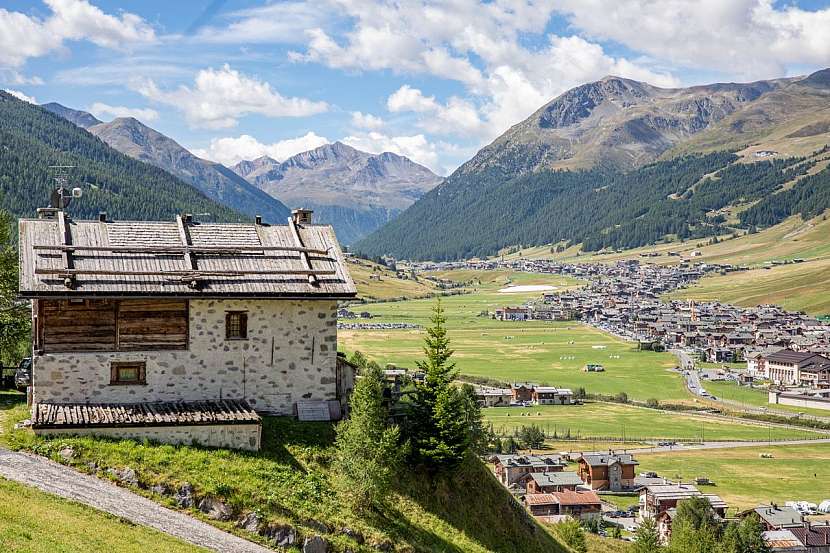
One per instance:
(231, 150)
(366, 121)
(415, 147)
(12, 77)
(23, 36)
(21, 96)
(457, 116)
(104, 111)
(220, 97)
(747, 38)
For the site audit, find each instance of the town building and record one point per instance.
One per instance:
(550, 395)
(580, 505)
(181, 332)
(797, 368)
(549, 482)
(510, 469)
(656, 499)
(608, 472)
(776, 517)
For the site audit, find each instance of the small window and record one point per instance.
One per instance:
(128, 373)
(236, 325)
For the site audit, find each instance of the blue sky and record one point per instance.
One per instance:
(431, 80)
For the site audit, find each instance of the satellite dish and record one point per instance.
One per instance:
(77, 192)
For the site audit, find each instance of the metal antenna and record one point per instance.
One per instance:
(62, 196)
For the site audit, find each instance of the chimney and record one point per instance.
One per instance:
(47, 213)
(258, 220)
(301, 216)
(102, 217)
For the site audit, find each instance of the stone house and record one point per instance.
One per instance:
(510, 469)
(658, 498)
(549, 482)
(181, 331)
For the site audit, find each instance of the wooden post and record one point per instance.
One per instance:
(312, 279)
(189, 257)
(66, 255)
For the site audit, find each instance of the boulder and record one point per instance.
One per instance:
(184, 497)
(67, 453)
(282, 536)
(315, 544)
(215, 509)
(353, 534)
(125, 476)
(250, 522)
(160, 489)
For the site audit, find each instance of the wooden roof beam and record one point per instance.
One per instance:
(298, 241)
(66, 255)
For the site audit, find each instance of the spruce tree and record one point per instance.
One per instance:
(14, 314)
(369, 452)
(647, 539)
(440, 424)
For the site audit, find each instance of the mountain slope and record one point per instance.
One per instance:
(131, 137)
(355, 191)
(515, 191)
(32, 139)
(81, 118)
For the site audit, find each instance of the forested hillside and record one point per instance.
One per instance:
(475, 215)
(32, 139)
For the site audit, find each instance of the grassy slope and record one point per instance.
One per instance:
(611, 420)
(389, 287)
(288, 482)
(532, 350)
(35, 522)
(744, 479)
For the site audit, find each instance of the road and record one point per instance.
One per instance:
(103, 495)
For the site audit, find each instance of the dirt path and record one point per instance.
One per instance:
(105, 496)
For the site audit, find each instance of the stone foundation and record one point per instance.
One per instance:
(233, 436)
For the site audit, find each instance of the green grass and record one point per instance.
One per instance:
(613, 420)
(622, 501)
(518, 351)
(755, 397)
(288, 482)
(743, 479)
(35, 522)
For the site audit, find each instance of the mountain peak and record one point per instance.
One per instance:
(819, 79)
(80, 118)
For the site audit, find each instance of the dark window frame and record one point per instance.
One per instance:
(117, 366)
(236, 330)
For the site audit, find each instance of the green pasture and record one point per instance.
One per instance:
(744, 479)
(755, 397)
(614, 420)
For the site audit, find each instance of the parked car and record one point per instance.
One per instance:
(23, 374)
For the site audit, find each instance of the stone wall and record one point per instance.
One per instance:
(234, 436)
(290, 355)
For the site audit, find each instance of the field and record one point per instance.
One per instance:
(755, 397)
(613, 420)
(797, 287)
(35, 522)
(743, 479)
(389, 286)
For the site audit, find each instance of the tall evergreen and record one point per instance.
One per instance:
(369, 451)
(647, 539)
(440, 424)
(14, 314)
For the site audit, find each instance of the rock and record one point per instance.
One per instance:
(383, 546)
(67, 453)
(160, 489)
(215, 509)
(317, 525)
(92, 466)
(184, 497)
(355, 535)
(282, 536)
(125, 476)
(250, 522)
(315, 544)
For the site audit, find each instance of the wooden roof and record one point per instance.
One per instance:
(101, 415)
(66, 258)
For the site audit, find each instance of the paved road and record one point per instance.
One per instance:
(105, 496)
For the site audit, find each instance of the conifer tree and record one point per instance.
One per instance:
(647, 540)
(14, 314)
(369, 452)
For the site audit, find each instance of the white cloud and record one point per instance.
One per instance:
(366, 121)
(481, 46)
(220, 97)
(416, 147)
(21, 96)
(104, 111)
(747, 38)
(230, 151)
(12, 77)
(278, 23)
(23, 37)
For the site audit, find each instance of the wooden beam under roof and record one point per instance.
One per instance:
(66, 240)
(298, 241)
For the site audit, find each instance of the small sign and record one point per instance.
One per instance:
(313, 411)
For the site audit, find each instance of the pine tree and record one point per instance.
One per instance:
(14, 314)
(647, 539)
(441, 425)
(369, 452)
